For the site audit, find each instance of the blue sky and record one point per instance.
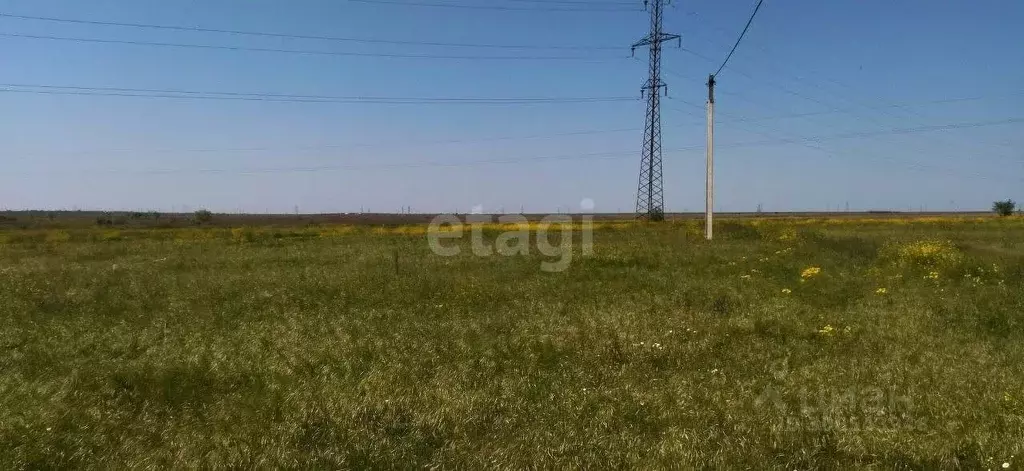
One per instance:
(842, 64)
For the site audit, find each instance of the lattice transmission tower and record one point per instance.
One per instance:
(650, 201)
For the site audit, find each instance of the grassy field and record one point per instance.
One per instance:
(787, 343)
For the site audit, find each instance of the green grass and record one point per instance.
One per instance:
(364, 350)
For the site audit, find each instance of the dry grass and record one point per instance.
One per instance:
(338, 346)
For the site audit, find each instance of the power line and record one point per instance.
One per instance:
(300, 36)
(214, 95)
(752, 78)
(835, 110)
(324, 97)
(810, 142)
(799, 79)
(361, 145)
(831, 106)
(743, 33)
(316, 98)
(577, 2)
(493, 7)
(593, 155)
(209, 95)
(886, 110)
(865, 134)
(390, 143)
(379, 166)
(813, 143)
(303, 51)
(768, 82)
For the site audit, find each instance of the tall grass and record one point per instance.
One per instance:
(356, 348)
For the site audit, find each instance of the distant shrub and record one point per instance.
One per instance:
(104, 220)
(1004, 208)
(202, 216)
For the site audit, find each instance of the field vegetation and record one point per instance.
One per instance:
(888, 343)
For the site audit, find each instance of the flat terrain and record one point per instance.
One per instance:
(142, 220)
(787, 343)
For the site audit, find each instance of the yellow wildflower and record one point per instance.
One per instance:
(810, 272)
(786, 291)
(881, 291)
(827, 330)
(926, 253)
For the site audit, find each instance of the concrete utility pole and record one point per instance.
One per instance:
(709, 184)
(710, 198)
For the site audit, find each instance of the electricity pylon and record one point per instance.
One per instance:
(650, 200)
